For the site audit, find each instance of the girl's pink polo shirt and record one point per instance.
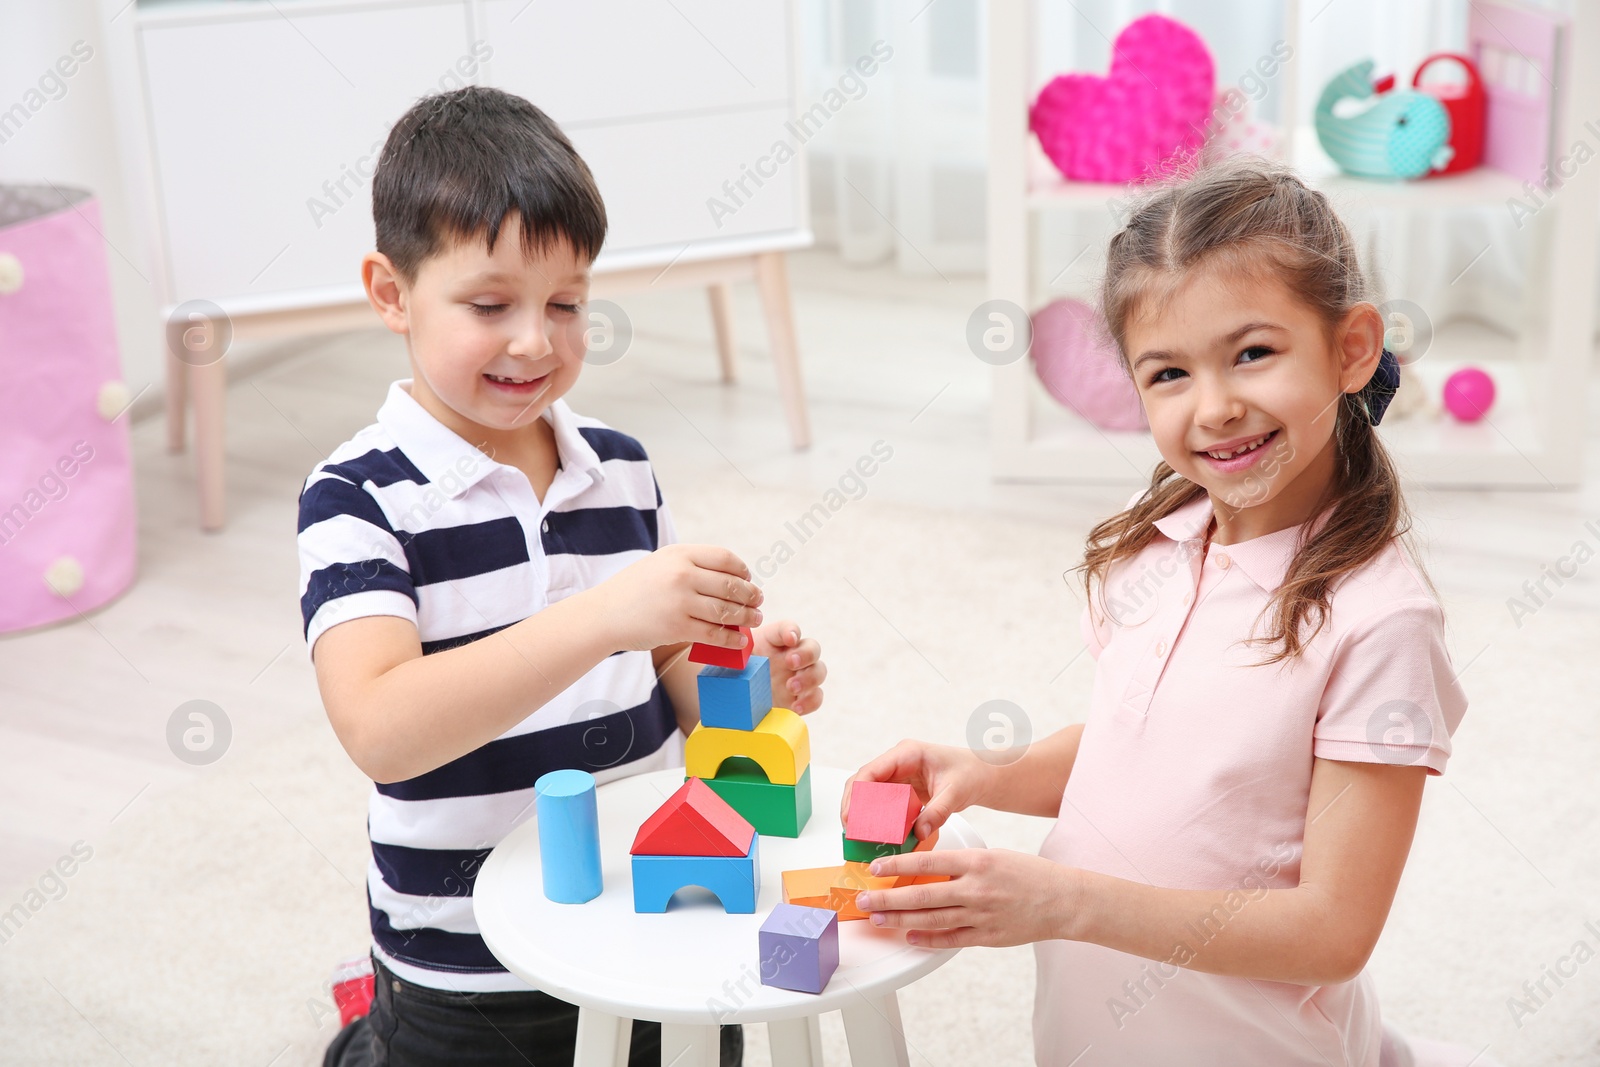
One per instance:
(1195, 771)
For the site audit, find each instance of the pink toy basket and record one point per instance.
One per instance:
(67, 522)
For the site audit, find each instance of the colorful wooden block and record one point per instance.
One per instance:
(736, 880)
(881, 812)
(780, 744)
(694, 821)
(835, 888)
(867, 851)
(736, 699)
(569, 835)
(799, 948)
(717, 656)
(774, 810)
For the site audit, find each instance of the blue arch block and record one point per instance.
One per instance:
(736, 880)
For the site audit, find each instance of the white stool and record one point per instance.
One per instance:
(694, 967)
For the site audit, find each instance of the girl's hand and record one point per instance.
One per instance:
(946, 780)
(796, 666)
(995, 897)
(678, 593)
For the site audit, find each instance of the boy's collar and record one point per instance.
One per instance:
(450, 462)
(1265, 559)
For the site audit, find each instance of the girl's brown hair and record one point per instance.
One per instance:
(1260, 220)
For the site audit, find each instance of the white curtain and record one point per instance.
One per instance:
(898, 172)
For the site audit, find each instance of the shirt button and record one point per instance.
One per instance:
(1222, 560)
(545, 526)
(1161, 649)
(1186, 598)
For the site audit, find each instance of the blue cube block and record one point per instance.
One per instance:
(736, 700)
(799, 947)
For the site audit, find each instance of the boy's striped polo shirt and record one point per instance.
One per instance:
(408, 519)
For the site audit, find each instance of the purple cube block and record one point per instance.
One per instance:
(799, 947)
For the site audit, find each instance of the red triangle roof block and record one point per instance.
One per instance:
(694, 821)
(881, 812)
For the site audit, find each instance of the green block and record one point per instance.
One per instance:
(867, 851)
(774, 810)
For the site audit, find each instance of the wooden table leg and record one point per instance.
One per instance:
(177, 394)
(796, 1042)
(690, 1046)
(209, 389)
(772, 277)
(873, 1028)
(722, 325)
(603, 1039)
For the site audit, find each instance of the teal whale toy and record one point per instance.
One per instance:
(1404, 134)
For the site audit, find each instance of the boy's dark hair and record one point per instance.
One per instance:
(458, 162)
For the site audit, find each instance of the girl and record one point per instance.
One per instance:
(1272, 686)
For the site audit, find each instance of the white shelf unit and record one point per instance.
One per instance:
(1533, 436)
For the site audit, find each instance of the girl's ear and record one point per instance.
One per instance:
(1360, 342)
(385, 291)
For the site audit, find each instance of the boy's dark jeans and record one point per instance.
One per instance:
(415, 1026)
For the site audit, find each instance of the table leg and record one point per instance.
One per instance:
(873, 1028)
(603, 1039)
(722, 325)
(690, 1046)
(796, 1042)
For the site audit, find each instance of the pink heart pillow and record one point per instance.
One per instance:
(1077, 363)
(1147, 119)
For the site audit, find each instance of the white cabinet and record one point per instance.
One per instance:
(252, 130)
(265, 128)
(264, 123)
(624, 60)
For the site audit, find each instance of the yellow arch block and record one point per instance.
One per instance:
(780, 745)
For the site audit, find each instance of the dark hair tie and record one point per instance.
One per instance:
(1381, 387)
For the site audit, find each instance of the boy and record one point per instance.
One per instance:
(489, 581)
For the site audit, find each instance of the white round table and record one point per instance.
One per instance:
(695, 966)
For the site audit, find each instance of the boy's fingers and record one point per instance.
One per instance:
(808, 702)
(717, 558)
(808, 678)
(719, 615)
(804, 654)
(735, 591)
(781, 634)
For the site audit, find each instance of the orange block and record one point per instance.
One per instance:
(808, 888)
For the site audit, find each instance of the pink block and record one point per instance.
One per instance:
(68, 526)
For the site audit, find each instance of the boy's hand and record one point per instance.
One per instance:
(946, 780)
(796, 666)
(679, 593)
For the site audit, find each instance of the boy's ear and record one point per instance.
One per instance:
(385, 291)
(1360, 346)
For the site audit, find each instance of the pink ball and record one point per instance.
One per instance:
(1469, 394)
(1078, 364)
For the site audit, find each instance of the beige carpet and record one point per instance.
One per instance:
(203, 927)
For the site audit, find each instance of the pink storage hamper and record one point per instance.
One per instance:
(67, 522)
